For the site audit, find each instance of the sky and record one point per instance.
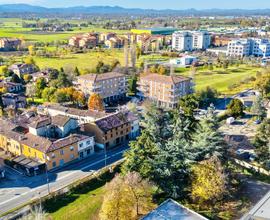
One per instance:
(152, 4)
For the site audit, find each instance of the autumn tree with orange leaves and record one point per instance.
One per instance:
(95, 102)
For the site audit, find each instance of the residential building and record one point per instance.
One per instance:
(22, 69)
(115, 42)
(172, 210)
(82, 116)
(201, 40)
(103, 37)
(8, 44)
(182, 41)
(184, 61)
(110, 131)
(14, 100)
(36, 148)
(150, 42)
(248, 47)
(134, 123)
(58, 126)
(111, 86)
(11, 87)
(188, 40)
(164, 90)
(239, 48)
(87, 40)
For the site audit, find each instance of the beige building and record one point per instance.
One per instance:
(165, 90)
(111, 86)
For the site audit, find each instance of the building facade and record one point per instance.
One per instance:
(188, 40)
(164, 90)
(182, 41)
(249, 47)
(110, 131)
(110, 86)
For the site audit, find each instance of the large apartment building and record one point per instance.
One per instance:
(164, 90)
(111, 86)
(248, 47)
(182, 41)
(188, 41)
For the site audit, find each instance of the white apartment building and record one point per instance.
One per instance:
(201, 40)
(188, 41)
(248, 47)
(182, 41)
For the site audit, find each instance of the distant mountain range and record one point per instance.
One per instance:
(23, 8)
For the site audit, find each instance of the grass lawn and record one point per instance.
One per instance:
(221, 79)
(86, 206)
(82, 60)
(82, 202)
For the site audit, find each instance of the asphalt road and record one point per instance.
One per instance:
(16, 190)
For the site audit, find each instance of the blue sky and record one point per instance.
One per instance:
(156, 4)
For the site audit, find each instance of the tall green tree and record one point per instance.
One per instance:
(207, 140)
(258, 108)
(132, 85)
(40, 86)
(262, 143)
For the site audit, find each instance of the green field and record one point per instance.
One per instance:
(82, 60)
(12, 27)
(221, 79)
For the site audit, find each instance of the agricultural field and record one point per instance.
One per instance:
(12, 27)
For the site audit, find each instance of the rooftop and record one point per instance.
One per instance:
(172, 210)
(99, 77)
(112, 121)
(60, 120)
(165, 79)
(75, 111)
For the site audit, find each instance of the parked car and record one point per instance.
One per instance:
(230, 120)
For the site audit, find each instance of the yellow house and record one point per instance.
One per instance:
(9, 139)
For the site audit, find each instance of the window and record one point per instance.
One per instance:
(71, 156)
(71, 148)
(53, 155)
(88, 142)
(62, 152)
(81, 145)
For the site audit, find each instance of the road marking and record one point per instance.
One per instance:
(45, 185)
